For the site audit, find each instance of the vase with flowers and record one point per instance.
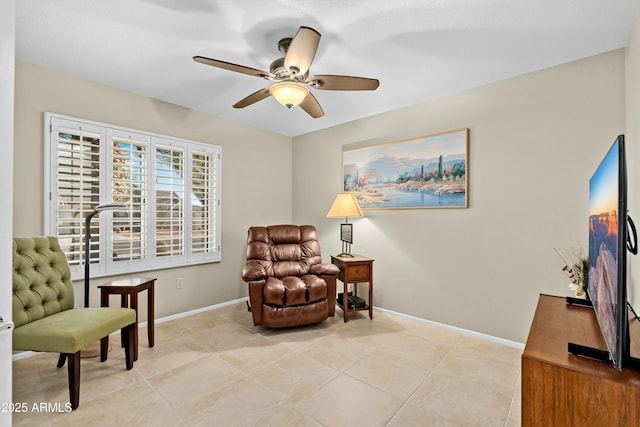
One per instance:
(576, 266)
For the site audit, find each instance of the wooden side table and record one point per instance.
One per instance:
(355, 269)
(128, 290)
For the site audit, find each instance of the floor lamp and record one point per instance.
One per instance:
(92, 350)
(345, 205)
(87, 241)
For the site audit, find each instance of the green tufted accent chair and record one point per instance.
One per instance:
(43, 312)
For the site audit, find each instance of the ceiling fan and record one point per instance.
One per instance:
(290, 75)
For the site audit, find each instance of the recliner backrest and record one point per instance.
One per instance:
(41, 279)
(284, 250)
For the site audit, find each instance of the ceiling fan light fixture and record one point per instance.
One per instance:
(289, 94)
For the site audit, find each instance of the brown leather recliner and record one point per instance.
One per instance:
(289, 285)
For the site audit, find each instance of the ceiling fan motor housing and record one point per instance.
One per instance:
(278, 69)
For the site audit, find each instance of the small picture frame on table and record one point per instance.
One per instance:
(346, 233)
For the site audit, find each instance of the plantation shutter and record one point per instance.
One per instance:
(170, 189)
(129, 186)
(169, 206)
(77, 173)
(204, 199)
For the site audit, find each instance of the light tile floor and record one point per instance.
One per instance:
(216, 369)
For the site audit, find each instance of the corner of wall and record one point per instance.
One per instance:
(632, 104)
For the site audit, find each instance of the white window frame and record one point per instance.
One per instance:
(107, 266)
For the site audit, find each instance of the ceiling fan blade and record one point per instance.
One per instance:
(329, 82)
(302, 50)
(256, 96)
(311, 105)
(232, 67)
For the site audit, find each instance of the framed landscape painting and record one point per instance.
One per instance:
(424, 172)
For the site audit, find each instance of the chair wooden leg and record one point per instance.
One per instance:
(104, 348)
(61, 360)
(124, 303)
(74, 378)
(128, 338)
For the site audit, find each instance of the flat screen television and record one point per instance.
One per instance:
(609, 239)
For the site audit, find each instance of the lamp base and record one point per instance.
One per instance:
(346, 250)
(345, 255)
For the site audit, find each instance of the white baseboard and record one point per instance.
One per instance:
(455, 329)
(197, 310)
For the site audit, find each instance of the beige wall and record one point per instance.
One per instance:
(534, 142)
(256, 174)
(632, 69)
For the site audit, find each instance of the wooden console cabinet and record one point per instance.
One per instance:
(561, 389)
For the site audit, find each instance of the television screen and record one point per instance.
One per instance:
(607, 250)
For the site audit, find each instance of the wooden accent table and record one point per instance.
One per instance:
(562, 389)
(128, 290)
(356, 269)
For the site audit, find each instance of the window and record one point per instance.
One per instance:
(170, 188)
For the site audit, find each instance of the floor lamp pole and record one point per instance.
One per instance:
(87, 261)
(92, 350)
(87, 242)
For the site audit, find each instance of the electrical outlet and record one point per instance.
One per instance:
(179, 283)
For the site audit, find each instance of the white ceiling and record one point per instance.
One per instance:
(418, 49)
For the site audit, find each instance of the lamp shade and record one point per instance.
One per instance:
(345, 205)
(289, 94)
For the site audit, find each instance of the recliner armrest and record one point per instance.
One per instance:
(253, 270)
(325, 268)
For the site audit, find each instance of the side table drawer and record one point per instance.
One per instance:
(357, 272)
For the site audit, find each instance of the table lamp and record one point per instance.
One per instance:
(345, 205)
